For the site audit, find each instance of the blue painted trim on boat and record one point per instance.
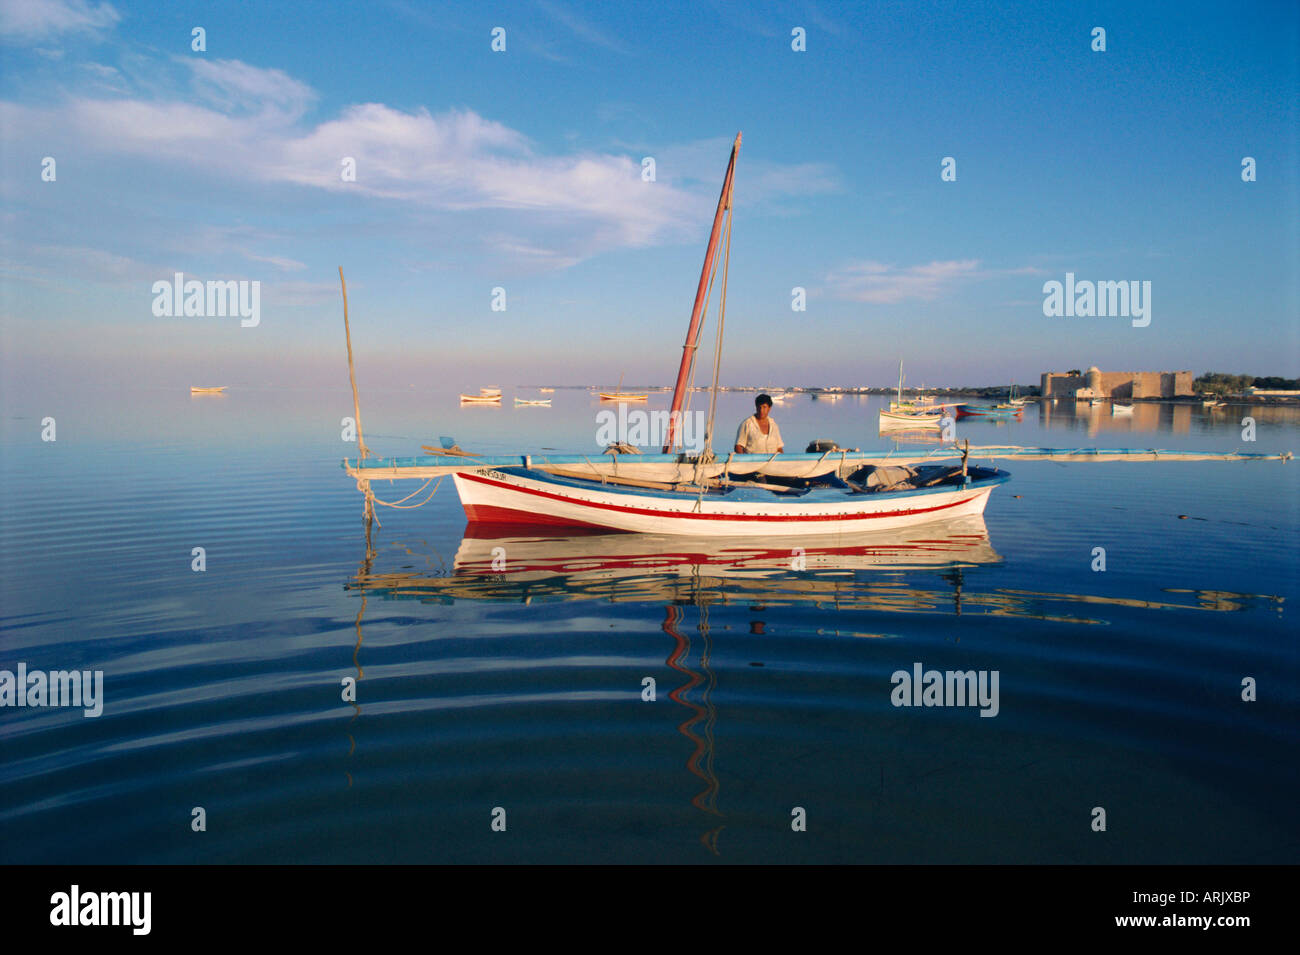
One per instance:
(981, 478)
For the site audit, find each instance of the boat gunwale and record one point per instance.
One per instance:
(739, 494)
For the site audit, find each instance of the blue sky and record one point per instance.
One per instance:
(521, 169)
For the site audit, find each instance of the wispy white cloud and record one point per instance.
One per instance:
(581, 28)
(882, 284)
(246, 125)
(532, 255)
(40, 19)
(543, 209)
(233, 86)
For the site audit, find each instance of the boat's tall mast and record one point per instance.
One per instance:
(697, 313)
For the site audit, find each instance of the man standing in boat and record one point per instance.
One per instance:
(758, 433)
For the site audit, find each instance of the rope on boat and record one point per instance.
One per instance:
(594, 470)
(816, 464)
(406, 507)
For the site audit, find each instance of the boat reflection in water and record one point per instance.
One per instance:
(841, 572)
(493, 563)
(921, 569)
(946, 568)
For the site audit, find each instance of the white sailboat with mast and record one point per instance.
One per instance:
(724, 504)
(910, 415)
(672, 492)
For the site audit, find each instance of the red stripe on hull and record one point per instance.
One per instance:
(488, 514)
(532, 517)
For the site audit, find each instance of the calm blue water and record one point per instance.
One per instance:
(478, 689)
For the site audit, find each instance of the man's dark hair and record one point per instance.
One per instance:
(762, 400)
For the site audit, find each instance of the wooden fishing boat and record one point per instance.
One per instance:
(834, 501)
(928, 420)
(919, 414)
(822, 495)
(986, 411)
(618, 394)
(621, 396)
(480, 399)
(213, 390)
(879, 498)
(534, 403)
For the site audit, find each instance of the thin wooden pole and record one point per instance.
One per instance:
(352, 375)
(362, 450)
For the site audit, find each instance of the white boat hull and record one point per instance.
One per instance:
(901, 420)
(492, 496)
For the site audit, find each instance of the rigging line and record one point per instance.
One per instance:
(706, 455)
(695, 350)
(722, 321)
(594, 471)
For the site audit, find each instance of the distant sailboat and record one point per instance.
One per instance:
(910, 414)
(619, 395)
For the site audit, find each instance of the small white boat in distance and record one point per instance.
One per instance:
(480, 399)
(622, 396)
(537, 403)
(490, 391)
(905, 420)
(546, 391)
(212, 390)
(1121, 410)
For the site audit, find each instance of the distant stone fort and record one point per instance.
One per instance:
(1095, 383)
